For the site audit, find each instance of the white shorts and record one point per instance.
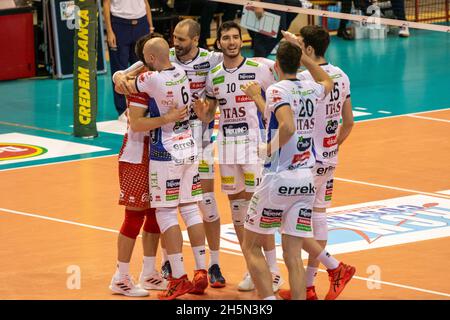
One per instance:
(283, 201)
(174, 183)
(323, 181)
(239, 177)
(206, 163)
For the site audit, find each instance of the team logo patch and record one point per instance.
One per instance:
(329, 190)
(332, 126)
(196, 186)
(249, 179)
(12, 151)
(242, 99)
(304, 220)
(303, 144)
(271, 218)
(172, 189)
(247, 76)
(235, 130)
(330, 141)
(204, 65)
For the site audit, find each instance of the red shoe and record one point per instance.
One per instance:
(311, 293)
(176, 288)
(339, 278)
(285, 294)
(200, 282)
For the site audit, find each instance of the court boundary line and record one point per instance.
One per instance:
(428, 118)
(20, 213)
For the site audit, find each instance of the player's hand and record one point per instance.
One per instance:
(152, 29)
(176, 114)
(290, 37)
(251, 89)
(201, 107)
(120, 83)
(259, 12)
(131, 85)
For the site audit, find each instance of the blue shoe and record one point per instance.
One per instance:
(216, 279)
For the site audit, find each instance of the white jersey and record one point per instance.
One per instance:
(329, 114)
(133, 146)
(166, 88)
(240, 122)
(302, 97)
(197, 70)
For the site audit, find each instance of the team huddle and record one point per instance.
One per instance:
(277, 143)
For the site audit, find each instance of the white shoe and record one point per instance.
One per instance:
(403, 32)
(277, 281)
(246, 284)
(123, 117)
(153, 281)
(125, 285)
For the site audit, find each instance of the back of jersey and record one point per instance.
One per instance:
(329, 114)
(166, 89)
(302, 98)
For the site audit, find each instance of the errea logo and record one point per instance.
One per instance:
(12, 151)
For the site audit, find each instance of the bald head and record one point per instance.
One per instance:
(156, 53)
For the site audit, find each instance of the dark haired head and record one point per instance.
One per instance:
(316, 37)
(139, 48)
(288, 57)
(227, 25)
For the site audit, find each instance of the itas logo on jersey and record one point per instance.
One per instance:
(197, 85)
(242, 99)
(304, 124)
(330, 141)
(333, 109)
(204, 65)
(332, 126)
(233, 113)
(235, 130)
(303, 144)
(308, 190)
(247, 76)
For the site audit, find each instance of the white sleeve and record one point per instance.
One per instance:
(276, 97)
(131, 68)
(145, 82)
(304, 75)
(215, 58)
(266, 76)
(347, 86)
(209, 91)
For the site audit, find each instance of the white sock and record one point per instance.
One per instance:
(200, 257)
(271, 258)
(270, 298)
(148, 266)
(123, 268)
(327, 260)
(213, 257)
(176, 262)
(165, 257)
(311, 274)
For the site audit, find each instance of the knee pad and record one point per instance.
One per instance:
(239, 209)
(150, 224)
(208, 207)
(320, 225)
(191, 215)
(132, 224)
(166, 218)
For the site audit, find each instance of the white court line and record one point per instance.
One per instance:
(360, 108)
(402, 115)
(428, 118)
(393, 188)
(222, 250)
(384, 112)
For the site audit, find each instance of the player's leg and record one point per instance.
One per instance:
(256, 264)
(190, 195)
(165, 189)
(150, 278)
(292, 245)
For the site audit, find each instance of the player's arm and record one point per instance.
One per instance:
(290, 37)
(347, 122)
(318, 74)
(148, 11)
(253, 90)
(286, 128)
(121, 77)
(205, 109)
(139, 122)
